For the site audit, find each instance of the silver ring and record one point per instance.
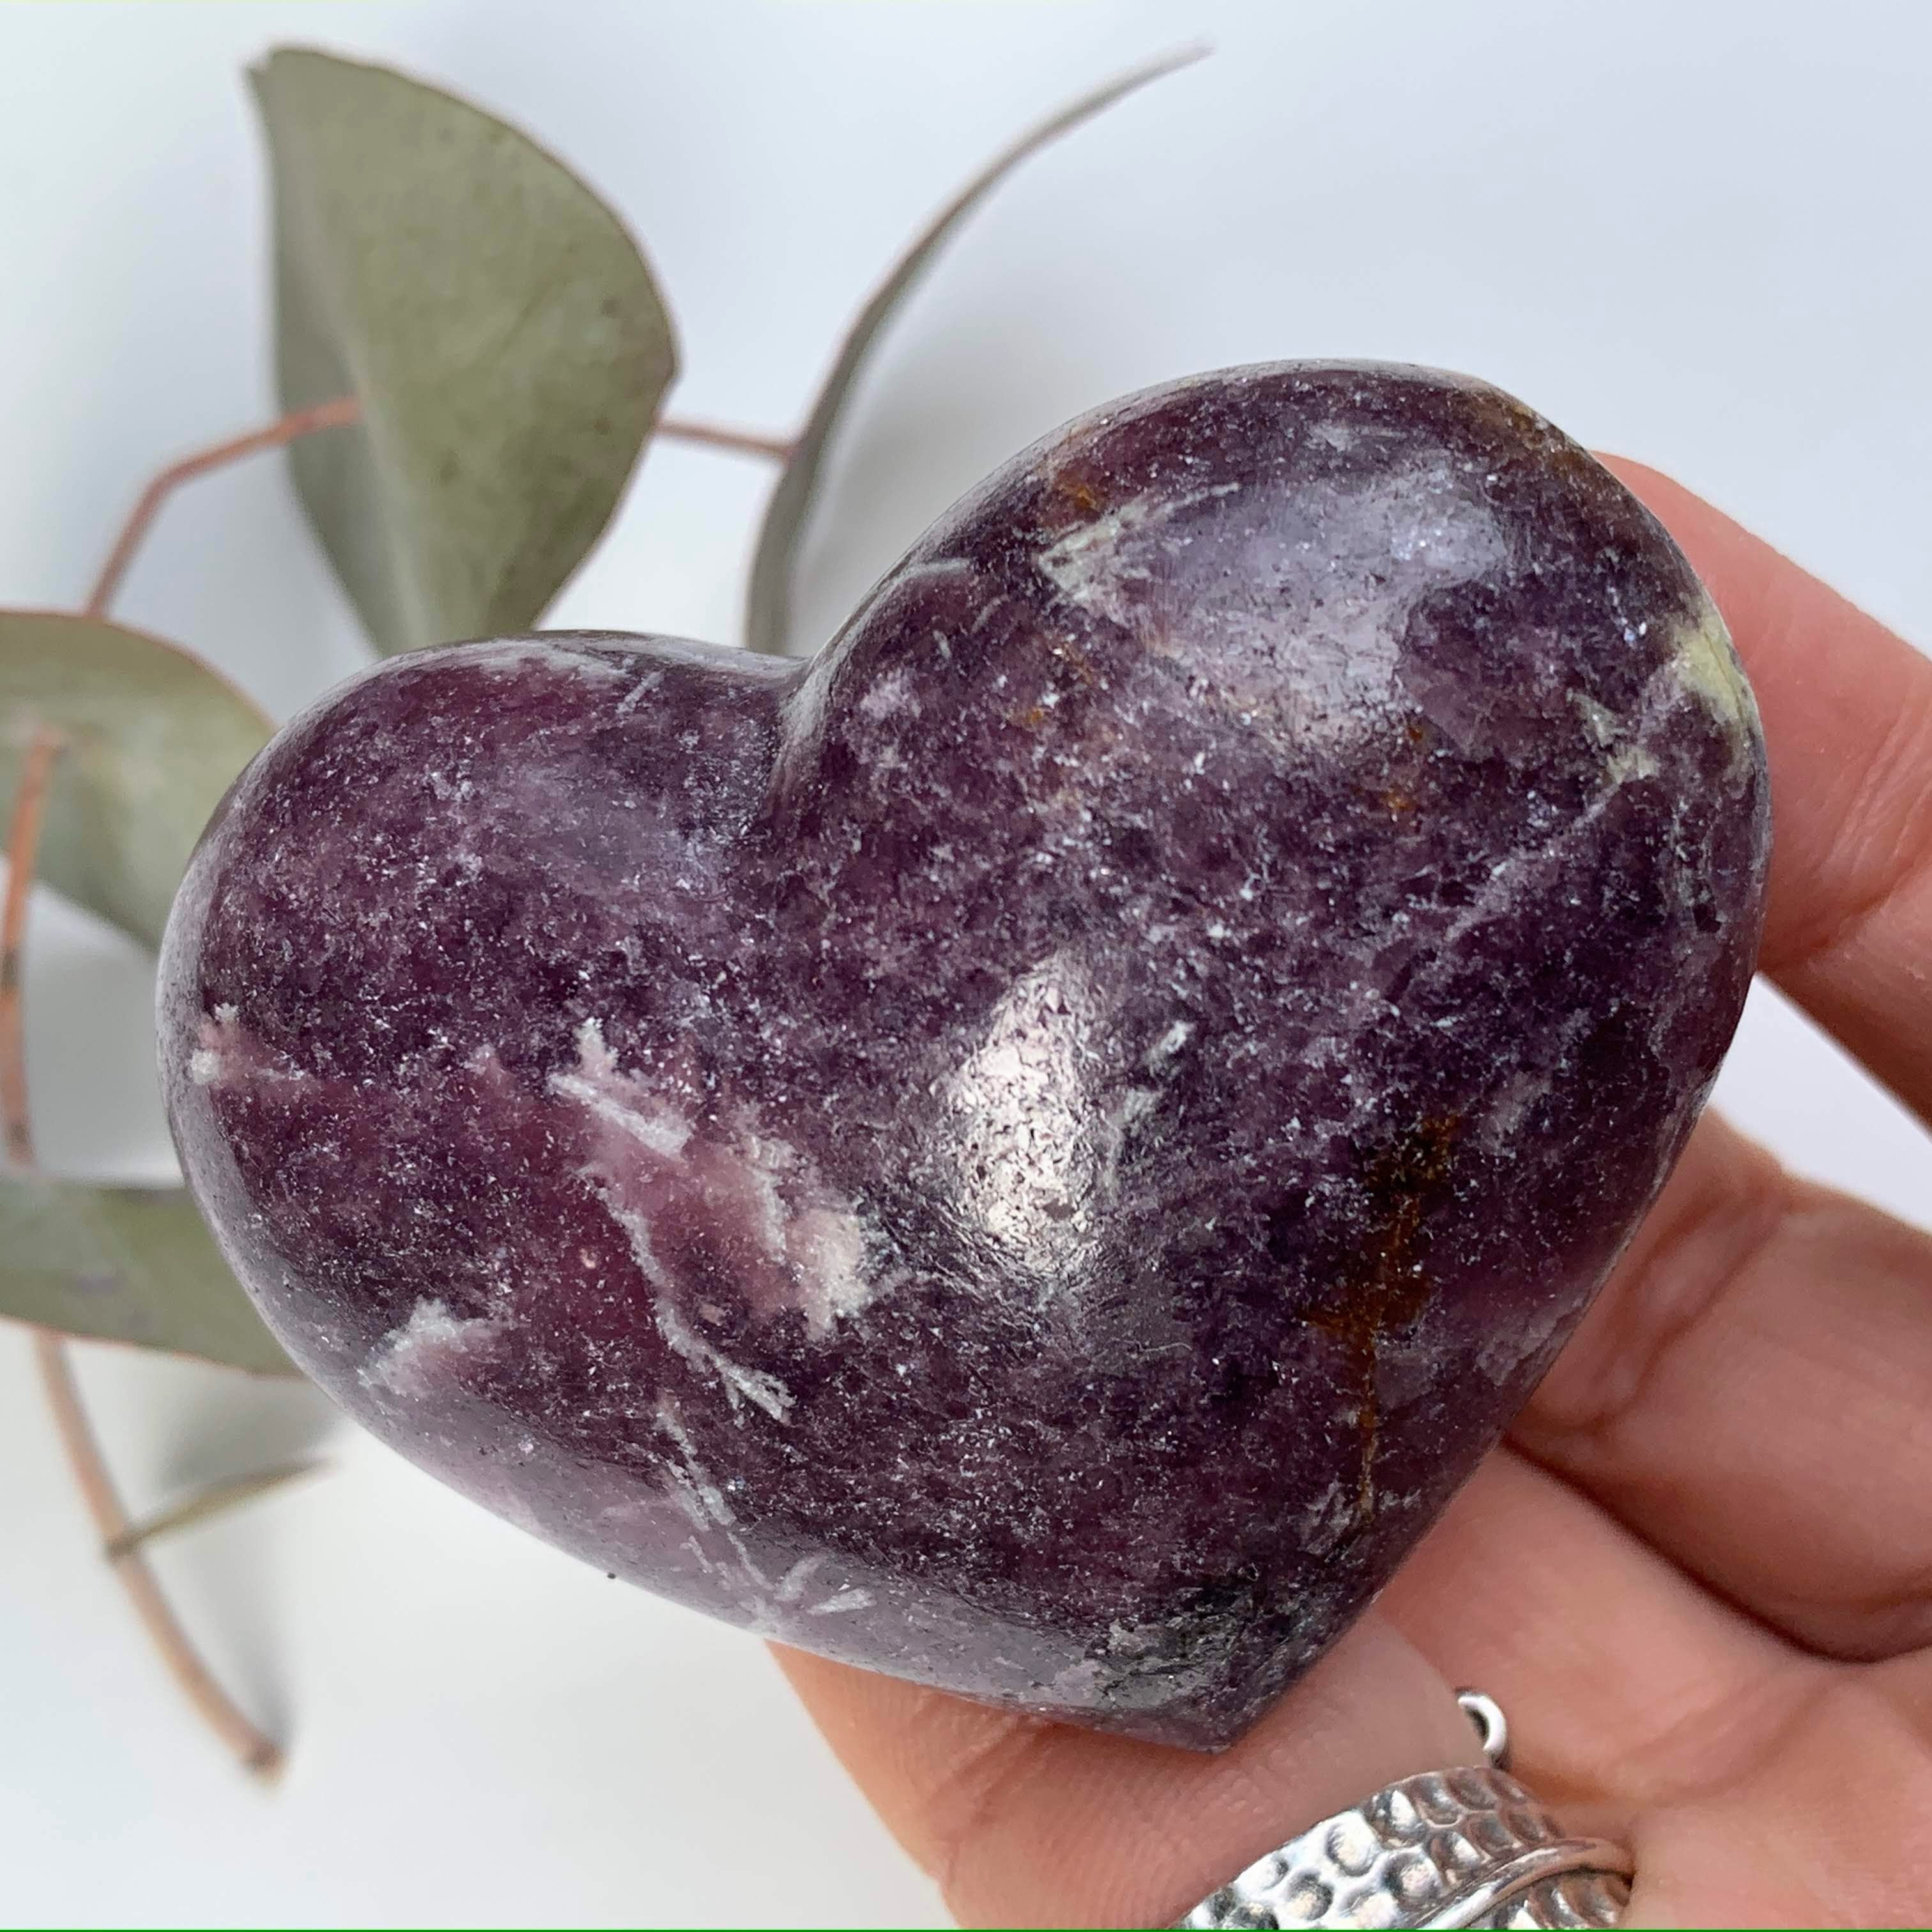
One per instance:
(1492, 1726)
(1464, 1847)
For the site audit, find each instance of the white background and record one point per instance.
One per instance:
(1693, 232)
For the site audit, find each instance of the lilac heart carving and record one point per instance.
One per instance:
(1035, 1151)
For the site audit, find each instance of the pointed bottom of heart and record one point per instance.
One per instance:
(1193, 1665)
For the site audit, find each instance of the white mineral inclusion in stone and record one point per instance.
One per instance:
(1706, 664)
(741, 1384)
(1630, 761)
(226, 1053)
(427, 1350)
(771, 1608)
(513, 654)
(625, 1105)
(205, 1065)
(828, 1244)
(1090, 564)
(791, 1589)
(647, 1155)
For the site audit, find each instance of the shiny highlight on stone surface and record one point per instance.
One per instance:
(1035, 1151)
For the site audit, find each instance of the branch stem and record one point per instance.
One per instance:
(23, 845)
(302, 422)
(333, 415)
(259, 1753)
(718, 435)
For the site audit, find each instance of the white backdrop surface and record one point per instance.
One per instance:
(1694, 233)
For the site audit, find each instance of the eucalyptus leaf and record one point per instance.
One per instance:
(768, 605)
(499, 325)
(153, 739)
(150, 739)
(207, 1503)
(133, 1265)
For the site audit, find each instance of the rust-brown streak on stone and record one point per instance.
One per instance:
(1079, 493)
(1391, 1288)
(1403, 781)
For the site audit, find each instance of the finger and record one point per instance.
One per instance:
(1626, 1685)
(1848, 719)
(1826, 1828)
(1749, 1394)
(1030, 1823)
(1755, 1785)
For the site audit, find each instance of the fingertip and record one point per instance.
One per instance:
(1847, 707)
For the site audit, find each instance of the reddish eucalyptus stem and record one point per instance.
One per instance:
(302, 422)
(717, 435)
(259, 1753)
(333, 415)
(23, 842)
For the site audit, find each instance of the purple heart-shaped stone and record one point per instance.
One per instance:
(1035, 1151)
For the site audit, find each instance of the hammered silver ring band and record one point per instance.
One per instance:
(1468, 1846)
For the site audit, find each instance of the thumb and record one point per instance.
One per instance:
(1025, 1821)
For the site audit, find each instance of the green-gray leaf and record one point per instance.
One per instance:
(152, 739)
(133, 1265)
(768, 605)
(500, 328)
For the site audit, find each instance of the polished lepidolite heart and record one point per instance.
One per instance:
(1035, 1151)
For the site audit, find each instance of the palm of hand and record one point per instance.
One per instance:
(1699, 1574)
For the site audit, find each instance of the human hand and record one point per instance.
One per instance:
(1698, 1575)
